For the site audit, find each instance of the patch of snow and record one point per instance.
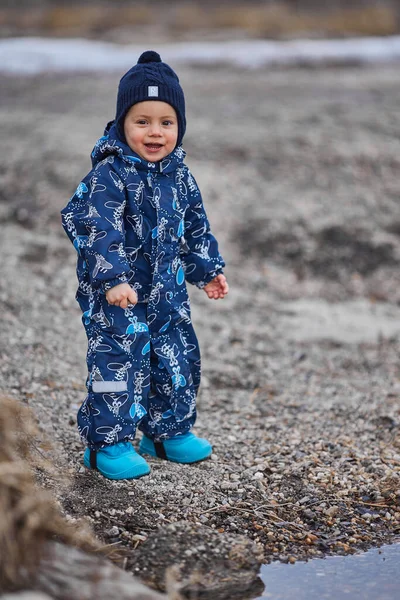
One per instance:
(32, 55)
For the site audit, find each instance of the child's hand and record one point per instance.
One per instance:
(217, 287)
(121, 295)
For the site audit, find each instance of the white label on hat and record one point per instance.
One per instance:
(153, 90)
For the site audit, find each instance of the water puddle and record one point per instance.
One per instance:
(372, 575)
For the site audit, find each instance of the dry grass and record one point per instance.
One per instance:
(279, 20)
(28, 516)
(255, 18)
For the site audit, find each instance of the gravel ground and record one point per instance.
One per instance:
(301, 377)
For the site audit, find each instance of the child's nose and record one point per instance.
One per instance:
(155, 129)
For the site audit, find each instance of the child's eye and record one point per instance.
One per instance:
(141, 122)
(167, 123)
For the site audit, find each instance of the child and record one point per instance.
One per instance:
(138, 224)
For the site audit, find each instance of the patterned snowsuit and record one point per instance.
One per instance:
(142, 223)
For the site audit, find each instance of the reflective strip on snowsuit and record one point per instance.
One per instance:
(144, 224)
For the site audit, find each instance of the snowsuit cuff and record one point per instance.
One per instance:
(107, 285)
(201, 284)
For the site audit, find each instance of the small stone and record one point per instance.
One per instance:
(113, 531)
(292, 560)
(97, 514)
(203, 518)
(311, 539)
(258, 475)
(304, 499)
(283, 558)
(139, 538)
(309, 514)
(332, 511)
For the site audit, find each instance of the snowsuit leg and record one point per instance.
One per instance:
(118, 383)
(175, 380)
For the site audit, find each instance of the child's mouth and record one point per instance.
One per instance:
(153, 147)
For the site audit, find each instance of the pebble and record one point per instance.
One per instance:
(139, 538)
(332, 511)
(304, 500)
(309, 514)
(283, 558)
(113, 531)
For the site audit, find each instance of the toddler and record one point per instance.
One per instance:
(140, 230)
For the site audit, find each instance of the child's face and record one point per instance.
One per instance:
(151, 129)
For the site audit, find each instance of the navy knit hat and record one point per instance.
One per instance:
(150, 79)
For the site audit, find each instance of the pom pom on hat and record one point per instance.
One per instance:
(148, 57)
(150, 79)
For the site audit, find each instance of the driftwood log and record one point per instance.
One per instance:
(71, 568)
(66, 572)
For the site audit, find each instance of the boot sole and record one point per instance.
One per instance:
(129, 474)
(143, 449)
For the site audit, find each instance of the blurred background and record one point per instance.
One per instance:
(131, 20)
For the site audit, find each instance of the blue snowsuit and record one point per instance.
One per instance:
(142, 223)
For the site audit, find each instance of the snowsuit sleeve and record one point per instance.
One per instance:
(200, 256)
(93, 220)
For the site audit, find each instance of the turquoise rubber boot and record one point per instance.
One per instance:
(119, 461)
(185, 448)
